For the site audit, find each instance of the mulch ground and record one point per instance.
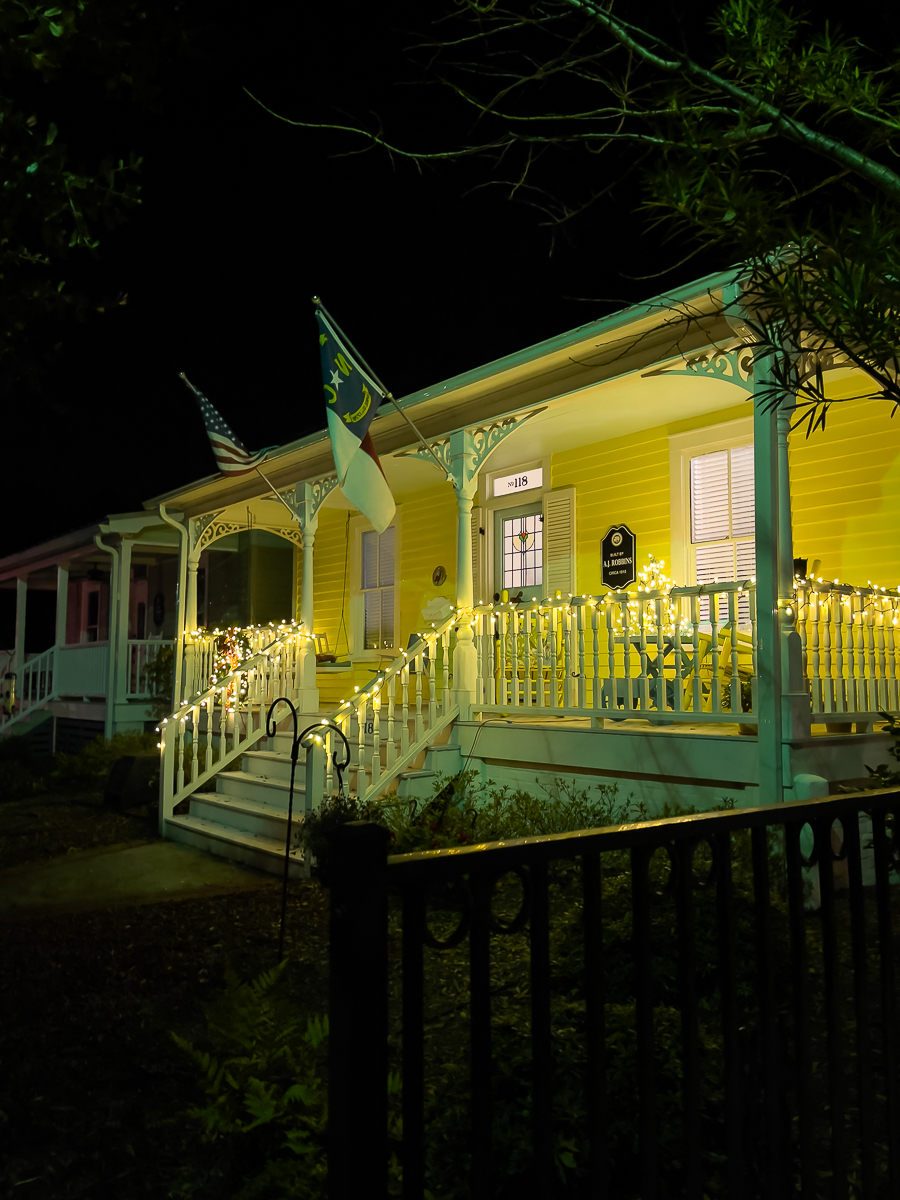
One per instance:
(93, 1091)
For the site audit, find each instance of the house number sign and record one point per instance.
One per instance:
(618, 554)
(522, 481)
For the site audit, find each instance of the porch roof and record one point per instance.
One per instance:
(666, 327)
(143, 526)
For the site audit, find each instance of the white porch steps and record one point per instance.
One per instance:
(245, 819)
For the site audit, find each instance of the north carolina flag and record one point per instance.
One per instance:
(352, 399)
(232, 456)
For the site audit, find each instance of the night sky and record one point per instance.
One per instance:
(244, 218)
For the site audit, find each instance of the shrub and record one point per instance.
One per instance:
(312, 837)
(89, 770)
(19, 772)
(160, 675)
(263, 1088)
(464, 810)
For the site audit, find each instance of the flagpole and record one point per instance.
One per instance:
(384, 391)
(278, 495)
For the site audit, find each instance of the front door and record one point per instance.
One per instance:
(519, 550)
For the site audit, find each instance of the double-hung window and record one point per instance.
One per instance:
(713, 515)
(377, 586)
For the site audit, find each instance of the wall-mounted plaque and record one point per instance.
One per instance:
(618, 554)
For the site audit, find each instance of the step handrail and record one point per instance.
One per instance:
(401, 750)
(180, 772)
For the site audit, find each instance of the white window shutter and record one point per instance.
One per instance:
(477, 555)
(559, 542)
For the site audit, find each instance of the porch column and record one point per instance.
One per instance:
(307, 616)
(768, 654)
(18, 661)
(464, 468)
(122, 600)
(109, 727)
(62, 603)
(308, 498)
(190, 608)
(180, 685)
(796, 711)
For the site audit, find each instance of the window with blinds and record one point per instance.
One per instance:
(723, 521)
(378, 589)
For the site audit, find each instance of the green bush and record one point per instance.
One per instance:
(465, 811)
(160, 674)
(89, 770)
(20, 775)
(312, 838)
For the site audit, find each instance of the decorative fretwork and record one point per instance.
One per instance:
(315, 492)
(487, 437)
(290, 533)
(733, 366)
(208, 529)
(464, 453)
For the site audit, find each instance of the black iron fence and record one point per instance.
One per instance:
(782, 1060)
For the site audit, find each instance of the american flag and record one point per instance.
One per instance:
(232, 456)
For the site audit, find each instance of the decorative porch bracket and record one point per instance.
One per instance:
(732, 366)
(463, 454)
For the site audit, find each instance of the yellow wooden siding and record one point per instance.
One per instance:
(328, 577)
(624, 481)
(427, 540)
(845, 492)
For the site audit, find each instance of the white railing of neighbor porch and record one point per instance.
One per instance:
(34, 686)
(141, 653)
(82, 670)
(623, 655)
(389, 723)
(221, 721)
(851, 648)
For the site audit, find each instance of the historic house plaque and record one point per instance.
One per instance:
(617, 558)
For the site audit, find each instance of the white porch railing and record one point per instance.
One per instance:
(397, 716)
(82, 670)
(851, 649)
(223, 720)
(201, 649)
(685, 654)
(141, 654)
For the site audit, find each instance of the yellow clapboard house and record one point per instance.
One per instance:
(739, 640)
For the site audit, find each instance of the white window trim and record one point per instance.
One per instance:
(490, 504)
(358, 526)
(682, 448)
